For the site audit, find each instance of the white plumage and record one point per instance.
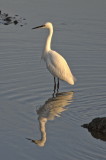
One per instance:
(58, 67)
(55, 63)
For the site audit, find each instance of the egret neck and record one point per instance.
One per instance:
(47, 47)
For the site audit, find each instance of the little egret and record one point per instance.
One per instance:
(55, 63)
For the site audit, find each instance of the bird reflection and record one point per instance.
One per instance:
(52, 108)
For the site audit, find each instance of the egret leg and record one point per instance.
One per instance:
(58, 85)
(54, 84)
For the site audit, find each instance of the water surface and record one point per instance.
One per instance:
(26, 87)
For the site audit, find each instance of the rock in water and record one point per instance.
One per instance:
(97, 127)
(6, 19)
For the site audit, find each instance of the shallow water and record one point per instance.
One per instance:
(26, 87)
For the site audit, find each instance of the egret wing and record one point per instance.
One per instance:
(58, 66)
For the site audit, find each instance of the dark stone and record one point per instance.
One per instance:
(97, 127)
(6, 15)
(7, 19)
(6, 24)
(15, 22)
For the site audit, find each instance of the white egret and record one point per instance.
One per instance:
(55, 63)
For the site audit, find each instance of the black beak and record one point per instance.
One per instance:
(39, 27)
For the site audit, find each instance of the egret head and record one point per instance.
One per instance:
(46, 25)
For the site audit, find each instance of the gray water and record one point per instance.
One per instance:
(28, 110)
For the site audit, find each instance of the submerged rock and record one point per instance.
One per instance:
(6, 19)
(15, 22)
(97, 128)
